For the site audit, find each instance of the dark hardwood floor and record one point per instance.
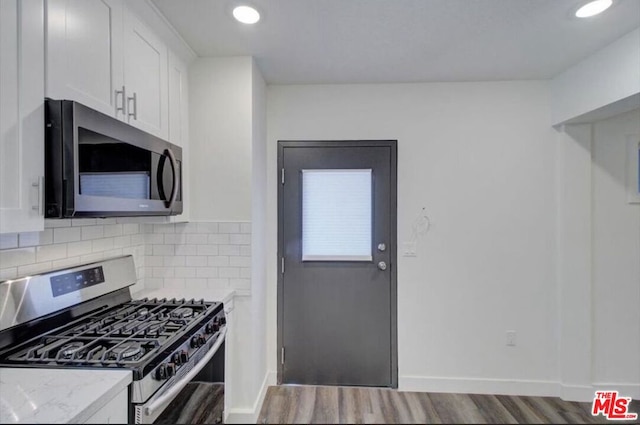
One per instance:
(312, 404)
(197, 403)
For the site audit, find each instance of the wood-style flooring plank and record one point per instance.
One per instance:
(311, 404)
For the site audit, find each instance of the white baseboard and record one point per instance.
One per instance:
(583, 393)
(249, 415)
(478, 386)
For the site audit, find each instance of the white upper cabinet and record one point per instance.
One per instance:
(101, 55)
(85, 61)
(145, 78)
(21, 115)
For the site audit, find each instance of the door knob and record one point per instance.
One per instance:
(382, 265)
(382, 247)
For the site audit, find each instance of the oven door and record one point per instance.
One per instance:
(109, 168)
(149, 411)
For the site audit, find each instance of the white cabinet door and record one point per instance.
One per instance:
(179, 123)
(21, 115)
(85, 57)
(145, 75)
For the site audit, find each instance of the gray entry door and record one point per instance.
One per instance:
(337, 246)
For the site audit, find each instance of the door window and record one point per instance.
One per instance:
(336, 215)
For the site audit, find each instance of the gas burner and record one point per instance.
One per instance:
(130, 351)
(69, 350)
(155, 327)
(143, 312)
(182, 313)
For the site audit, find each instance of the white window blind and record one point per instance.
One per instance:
(336, 215)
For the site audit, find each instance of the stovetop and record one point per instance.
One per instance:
(135, 335)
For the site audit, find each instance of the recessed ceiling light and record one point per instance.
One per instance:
(593, 8)
(246, 14)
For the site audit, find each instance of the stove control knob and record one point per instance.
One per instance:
(195, 341)
(161, 372)
(171, 370)
(201, 340)
(223, 321)
(184, 357)
(176, 359)
(210, 328)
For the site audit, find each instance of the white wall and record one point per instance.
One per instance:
(480, 157)
(600, 82)
(220, 139)
(616, 255)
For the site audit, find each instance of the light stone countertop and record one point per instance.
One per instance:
(57, 395)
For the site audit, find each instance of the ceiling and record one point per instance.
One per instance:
(375, 41)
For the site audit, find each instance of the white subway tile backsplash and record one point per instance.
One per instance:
(103, 244)
(8, 273)
(218, 283)
(113, 230)
(185, 271)
(50, 252)
(219, 239)
(188, 250)
(240, 239)
(66, 234)
(75, 249)
(174, 260)
(229, 228)
(164, 228)
(175, 238)
(130, 228)
(240, 283)
(154, 238)
(35, 268)
(207, 227)
(197, 239)
(197, 261)
(122, 241)
(207, 250)
(92, 232)
(84, 222)
(229, 250)
(240, 261)
(8, 240)
(52, 223)
(230, 272)
(206, 255)
(206, 272)
(36, 238)
(218, 261)
(163, 250)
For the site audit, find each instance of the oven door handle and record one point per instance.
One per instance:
(178, 386)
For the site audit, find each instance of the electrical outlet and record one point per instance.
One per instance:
(409, 249)
(511, 338)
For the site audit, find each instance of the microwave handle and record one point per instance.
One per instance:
(176, 183)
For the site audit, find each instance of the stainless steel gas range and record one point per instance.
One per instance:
(85, 317)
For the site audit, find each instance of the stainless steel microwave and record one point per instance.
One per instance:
(98, 166)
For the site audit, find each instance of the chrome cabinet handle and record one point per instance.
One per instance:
(124, 99)
(382, 265)
(135, 106)
(39, 185)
